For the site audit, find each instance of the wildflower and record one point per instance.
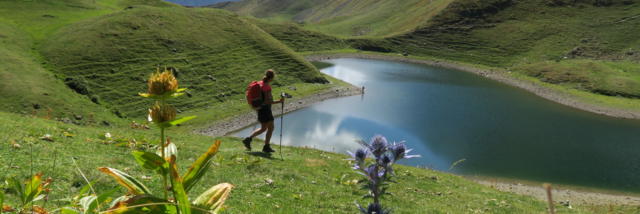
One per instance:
(162, 83)
(400, 151)
(359, 157)
(161, 113)
(378, 145)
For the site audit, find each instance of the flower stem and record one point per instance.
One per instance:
(164, 175)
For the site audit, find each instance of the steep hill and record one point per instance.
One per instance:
(344, 18)
(214, 53)
(586, 45)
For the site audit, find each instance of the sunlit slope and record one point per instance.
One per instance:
(28, 88)
(345, 18)
(216, 54)
(587, 45)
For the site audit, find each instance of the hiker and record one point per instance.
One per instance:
(265, 116)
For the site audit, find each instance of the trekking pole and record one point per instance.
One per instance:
(283, 95)
(281, 124)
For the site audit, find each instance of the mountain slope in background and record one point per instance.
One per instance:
(196, 3)
(70, 59)
(588, 45)
(344, 18)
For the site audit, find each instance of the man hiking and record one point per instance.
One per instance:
(263, 108)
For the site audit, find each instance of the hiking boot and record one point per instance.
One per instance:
(247, 143)
(267, 149)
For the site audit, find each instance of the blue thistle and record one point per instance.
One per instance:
(378, 173)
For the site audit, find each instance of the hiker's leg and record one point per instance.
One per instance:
(267, 139)
(263, 127)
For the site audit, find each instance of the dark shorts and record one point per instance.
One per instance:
(265, 114)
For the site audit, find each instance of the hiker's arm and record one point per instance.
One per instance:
(269, 100)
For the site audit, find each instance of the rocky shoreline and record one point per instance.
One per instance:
(224, 127)
(562, 196)
(501, 76)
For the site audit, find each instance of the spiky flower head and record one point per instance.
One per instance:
(161, 113)
(378, 145)
(161, 83)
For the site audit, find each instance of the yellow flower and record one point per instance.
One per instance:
(162, 83)
(160, 113)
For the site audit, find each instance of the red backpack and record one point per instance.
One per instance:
(255, 97)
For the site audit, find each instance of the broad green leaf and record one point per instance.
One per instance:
(171, 94)
(33, 188)
(69, 210)
(86, 203)
(143, 204)
(134, 186)
(200, 166)
(181, 120)
(177, 187)
(150, 161)
(214, 197)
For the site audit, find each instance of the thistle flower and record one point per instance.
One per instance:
(378, 145)
(162, 83)
(400, 151)
(161, 113)
(359, 157)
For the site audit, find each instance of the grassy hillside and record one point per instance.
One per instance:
(214, 54)
(301, 183)
(344, 18)
(585, 45)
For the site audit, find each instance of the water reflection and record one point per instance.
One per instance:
(449, 115)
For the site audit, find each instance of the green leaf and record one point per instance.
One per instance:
(69, 210)
(87, 202)
(150, 161)
(32, 188)
(178, 189)
(143, 204)
(200, 166)
(181, 120)
(134, 186)
(214, 197)
(171, 94)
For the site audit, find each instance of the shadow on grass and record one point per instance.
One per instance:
(261, 154)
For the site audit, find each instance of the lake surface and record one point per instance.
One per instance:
(447, 115)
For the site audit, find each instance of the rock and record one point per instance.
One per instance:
(268, 181)
(106, 123)
(66, 120)
(293, 88)
(36, 106)
(47, 137)
(77, 116)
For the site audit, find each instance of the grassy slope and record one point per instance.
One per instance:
(301, 183)
(215, 53)
(560, 46)
(26, 80)
(343, 18)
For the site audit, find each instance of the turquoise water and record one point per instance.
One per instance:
(447, 115)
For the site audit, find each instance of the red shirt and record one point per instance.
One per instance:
(266, 90)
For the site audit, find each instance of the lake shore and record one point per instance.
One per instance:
(561, 195)
(225, 127)
(497, 75)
